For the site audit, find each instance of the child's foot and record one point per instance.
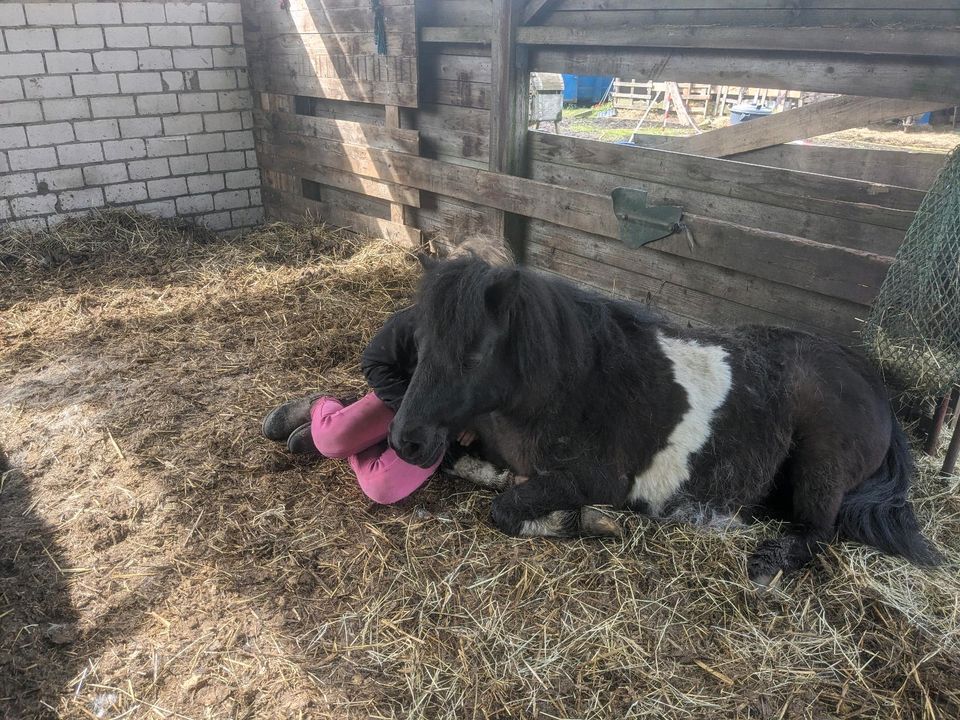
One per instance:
(285, 419)
(300, 441)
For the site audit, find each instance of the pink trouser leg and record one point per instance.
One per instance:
(358, 432)
(339, 432)
(384, 477)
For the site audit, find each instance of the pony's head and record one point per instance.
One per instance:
(489, 338)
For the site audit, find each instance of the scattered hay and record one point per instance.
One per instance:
(159, 558)
(95, 236)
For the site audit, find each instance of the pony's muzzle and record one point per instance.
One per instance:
(418, 446)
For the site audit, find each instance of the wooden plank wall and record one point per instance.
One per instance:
(399, 145)
(322, 82)
(454, 114)
(766, 244)
(309, 164)
(324, 52)
(311, 48)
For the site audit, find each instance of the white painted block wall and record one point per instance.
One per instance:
(142, 104)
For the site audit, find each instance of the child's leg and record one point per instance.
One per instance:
(359, 432)
(384, 477)
(339, 432)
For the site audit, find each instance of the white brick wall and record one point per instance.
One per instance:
(142, 104)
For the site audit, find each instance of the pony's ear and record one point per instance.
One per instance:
(500, 295)
(427, 261)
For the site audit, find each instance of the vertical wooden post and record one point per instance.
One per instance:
(509, 110)
(399, 213)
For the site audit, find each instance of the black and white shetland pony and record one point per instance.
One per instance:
(599, 402)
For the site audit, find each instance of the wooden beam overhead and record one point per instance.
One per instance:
(791, 13)
(904, 5)
(806, 39)
(879, 76)
(820, 118)
(851, 40)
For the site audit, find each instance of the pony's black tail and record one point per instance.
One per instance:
(878, 513)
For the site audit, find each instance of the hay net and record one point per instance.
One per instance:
(913, 330)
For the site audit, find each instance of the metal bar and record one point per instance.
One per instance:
(656, 222)
(950, 461)
(936, 425)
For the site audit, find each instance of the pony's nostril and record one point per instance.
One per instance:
(416, 446)
(407, 449)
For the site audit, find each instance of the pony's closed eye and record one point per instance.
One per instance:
(471, 361)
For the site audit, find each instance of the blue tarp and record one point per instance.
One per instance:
(585, 89)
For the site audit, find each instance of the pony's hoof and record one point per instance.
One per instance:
(767, 563)
(765, 582)
(596, 523)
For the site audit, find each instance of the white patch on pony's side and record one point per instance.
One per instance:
(704, 374)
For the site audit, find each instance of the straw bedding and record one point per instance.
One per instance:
(158, 558)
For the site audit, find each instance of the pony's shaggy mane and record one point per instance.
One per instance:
(555, 328)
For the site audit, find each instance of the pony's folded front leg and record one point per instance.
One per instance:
(540, 507)
(587, 521)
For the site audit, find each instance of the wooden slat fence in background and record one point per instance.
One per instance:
(404, 141)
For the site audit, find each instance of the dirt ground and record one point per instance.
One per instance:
(159, 559)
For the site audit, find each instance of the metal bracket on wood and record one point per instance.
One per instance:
(641, 223)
